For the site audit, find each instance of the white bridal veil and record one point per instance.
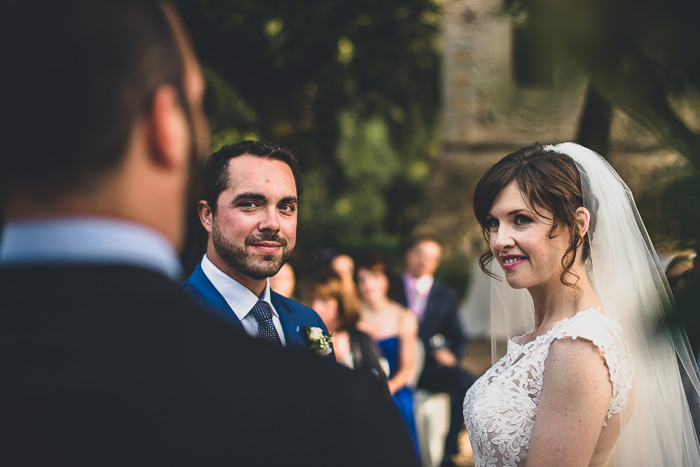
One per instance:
(625, 272)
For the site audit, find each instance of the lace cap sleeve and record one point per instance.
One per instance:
(607, 336)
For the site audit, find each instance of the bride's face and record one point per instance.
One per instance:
(520, 241)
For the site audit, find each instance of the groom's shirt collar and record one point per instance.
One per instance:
(88, 240)
(239, 298)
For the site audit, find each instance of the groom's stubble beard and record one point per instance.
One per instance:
(250, 263)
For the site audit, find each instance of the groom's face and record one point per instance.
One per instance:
(254, 229)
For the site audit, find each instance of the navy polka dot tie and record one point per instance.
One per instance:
(266, 328)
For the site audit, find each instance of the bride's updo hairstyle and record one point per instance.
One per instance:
(550, 181)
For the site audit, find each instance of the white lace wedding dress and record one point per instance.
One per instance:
(500, 408)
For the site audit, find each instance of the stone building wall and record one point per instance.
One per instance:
(487, 114)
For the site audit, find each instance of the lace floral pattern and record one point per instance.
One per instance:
(500, 407)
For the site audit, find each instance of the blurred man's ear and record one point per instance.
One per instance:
(169, 131)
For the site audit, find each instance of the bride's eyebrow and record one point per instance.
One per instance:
(510, 213)
(516, 211)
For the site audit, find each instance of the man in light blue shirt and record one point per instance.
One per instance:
(105, 360)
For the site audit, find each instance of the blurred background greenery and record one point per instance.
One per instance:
(354, 89)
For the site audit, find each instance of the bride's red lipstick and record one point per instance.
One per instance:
(510, 261)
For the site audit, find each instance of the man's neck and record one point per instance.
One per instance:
(116, 196)
(408, 275)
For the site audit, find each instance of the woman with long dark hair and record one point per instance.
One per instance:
(595, 381)
(393, 327)
(339, 308)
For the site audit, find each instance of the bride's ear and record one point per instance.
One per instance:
(583, 220)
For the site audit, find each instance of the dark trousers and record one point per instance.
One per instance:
(454, 381)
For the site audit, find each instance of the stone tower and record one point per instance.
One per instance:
(501, 92)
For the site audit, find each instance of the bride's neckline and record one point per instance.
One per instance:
(517, 340)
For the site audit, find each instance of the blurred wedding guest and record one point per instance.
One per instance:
(344, 265)
(393, 327)
(284, 282)
(439, 328)
(679, 271)
(681, 274)
(105, 360)
(341, 312)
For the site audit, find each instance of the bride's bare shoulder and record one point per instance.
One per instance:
(571, 359)
(576, 392)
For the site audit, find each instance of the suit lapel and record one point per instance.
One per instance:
(291, 327)
(401, 293)
(430, 303)
(211, 298)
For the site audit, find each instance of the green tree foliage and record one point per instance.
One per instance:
(352, 87)
(638, 54)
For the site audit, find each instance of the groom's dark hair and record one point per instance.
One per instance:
(77, 75)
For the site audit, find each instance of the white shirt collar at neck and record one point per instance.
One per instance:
(239, 298)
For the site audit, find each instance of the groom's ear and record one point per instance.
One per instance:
(205, 215)
(583, 220)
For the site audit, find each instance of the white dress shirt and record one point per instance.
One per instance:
(241, 299)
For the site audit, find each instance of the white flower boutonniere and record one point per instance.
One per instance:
(318, 342)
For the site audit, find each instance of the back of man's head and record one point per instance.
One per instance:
(78, 74)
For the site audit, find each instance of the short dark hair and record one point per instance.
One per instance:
(216, 168)
(420, 238)
(551, 181)
(78, 73)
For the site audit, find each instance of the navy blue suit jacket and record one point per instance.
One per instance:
(115, 365)
(293, 315)
(440, 317)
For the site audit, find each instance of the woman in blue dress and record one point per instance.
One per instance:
(394, 328)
